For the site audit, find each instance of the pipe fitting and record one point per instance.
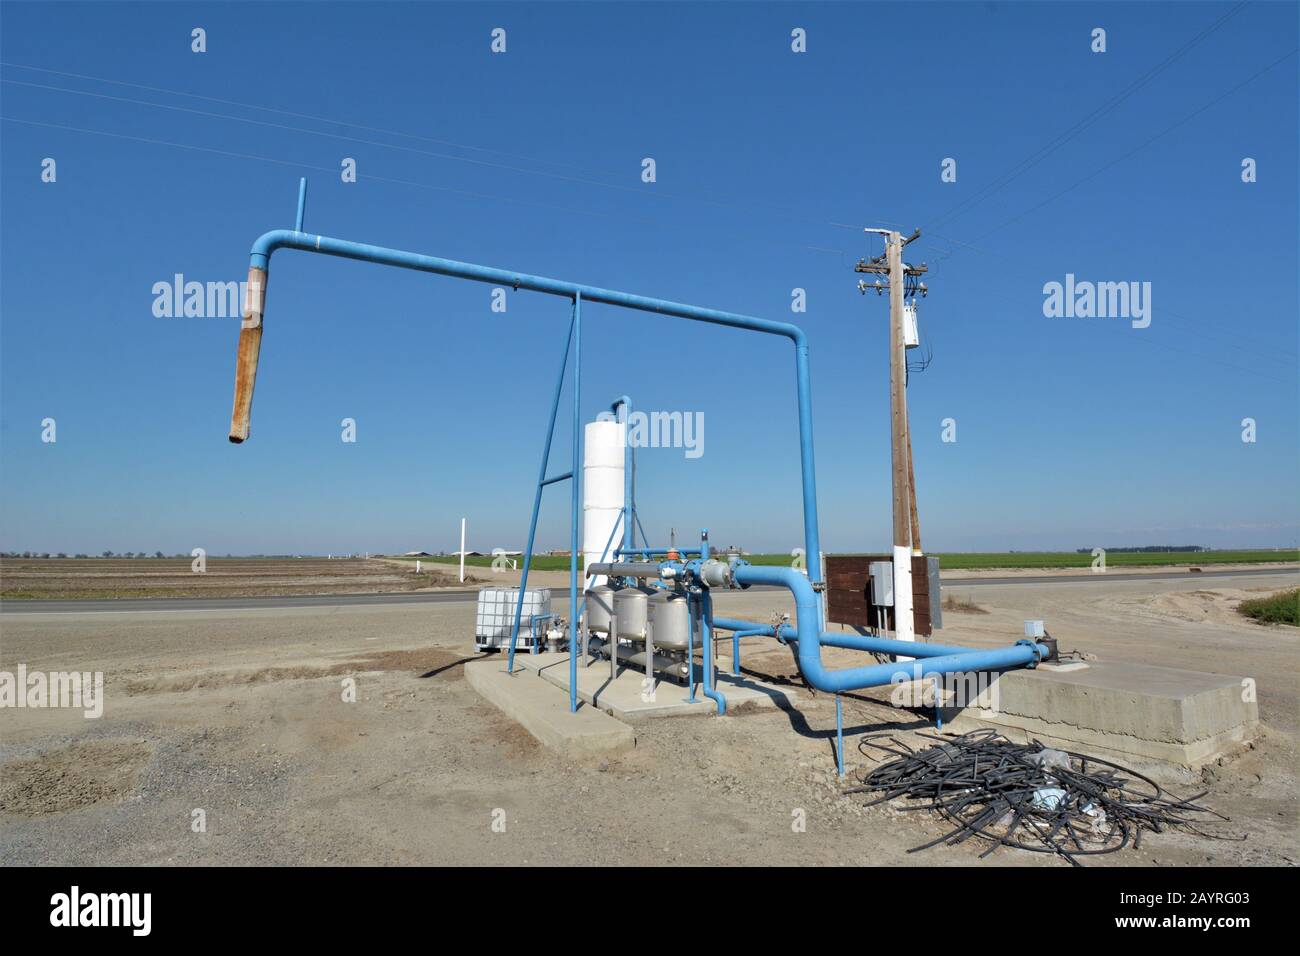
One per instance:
(715, 574)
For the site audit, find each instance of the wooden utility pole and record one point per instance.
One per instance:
(907, 525)
(911, 488)
(898, 396)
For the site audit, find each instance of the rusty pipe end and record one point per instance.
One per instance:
(250, 347)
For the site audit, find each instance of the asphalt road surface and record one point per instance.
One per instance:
(455, 596)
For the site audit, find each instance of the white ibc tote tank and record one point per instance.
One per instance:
(602, 491)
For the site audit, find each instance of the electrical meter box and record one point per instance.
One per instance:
(882, 583)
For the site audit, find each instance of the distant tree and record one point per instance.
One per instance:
(158, 554)
(108, 554)
(62, 555)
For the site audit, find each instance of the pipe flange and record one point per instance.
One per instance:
(1038, 655)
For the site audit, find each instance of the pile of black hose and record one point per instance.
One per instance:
(1027, 796)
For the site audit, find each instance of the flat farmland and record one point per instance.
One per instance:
(977, 561)
(66, 579)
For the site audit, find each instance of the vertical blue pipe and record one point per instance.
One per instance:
(812, 538)
(693, 602)
(575, 502)
(707, 615)
(839, 734)
(735, 641)
(629, 464)
(537, 497)
(302, 204)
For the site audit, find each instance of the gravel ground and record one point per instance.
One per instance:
(240, 715)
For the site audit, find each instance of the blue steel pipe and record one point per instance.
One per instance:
(854, 678)
(268, 243)
(853, 642)
(629, 471)
(302, 205)
(706, 629)
(575, 500)
(735, 642)
(661, 552)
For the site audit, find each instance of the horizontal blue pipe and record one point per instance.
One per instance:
(854, 678)
(661, 552)
(267, 243)
(853, 642)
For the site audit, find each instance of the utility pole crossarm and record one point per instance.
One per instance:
(883, 268)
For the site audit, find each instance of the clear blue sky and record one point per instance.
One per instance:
(1071, 432)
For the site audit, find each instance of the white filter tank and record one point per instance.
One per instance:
(602, 492)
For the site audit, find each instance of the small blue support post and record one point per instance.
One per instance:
(839, 734)
(575, 504)
(938, 703)
(302, 204)
(542, 482)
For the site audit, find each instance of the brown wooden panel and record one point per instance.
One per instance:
(846, 580)
(851, 562)
(848, 590)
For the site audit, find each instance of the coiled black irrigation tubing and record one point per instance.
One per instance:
(1025, 796)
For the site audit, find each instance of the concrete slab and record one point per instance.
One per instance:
(623, 698)
(1131, 710)
(545, 714)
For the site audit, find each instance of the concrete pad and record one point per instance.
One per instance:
(1131, 710)
(623, 698)
(544, 712)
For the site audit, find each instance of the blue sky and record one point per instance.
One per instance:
(1070, 432)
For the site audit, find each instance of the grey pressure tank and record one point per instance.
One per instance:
(630, 611)
(600, 607)
(669, 619)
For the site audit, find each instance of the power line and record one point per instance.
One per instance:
(1169, 129)
(472, 194)
(749, 204)
(307, 116)
(1270, 347)
(1107, 107)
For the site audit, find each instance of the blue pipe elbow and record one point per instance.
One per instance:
(810, 642)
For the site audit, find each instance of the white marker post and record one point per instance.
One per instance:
(462, 550)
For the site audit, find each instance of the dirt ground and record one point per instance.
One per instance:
(226, 739)
(98, 578)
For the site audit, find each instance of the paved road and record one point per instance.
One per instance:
(457, 596)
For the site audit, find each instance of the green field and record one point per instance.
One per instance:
(1280, 608)
(993, 559)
